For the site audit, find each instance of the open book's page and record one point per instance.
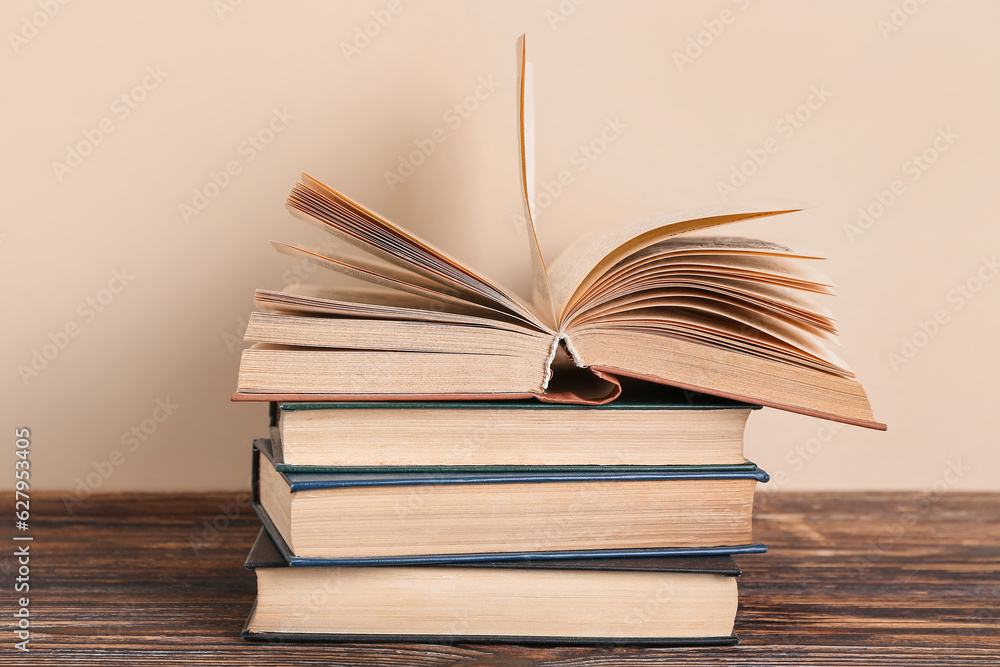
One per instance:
(729, 371)
(439, 293)
(365, 229)
(716, 322)
(378, 303)
(584, 261)
(769, 270)
(348, 256)
(712, 244)
(782, 309)
(541, 297)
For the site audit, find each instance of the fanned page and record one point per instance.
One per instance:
(586, 259)
(320, 205)
(721, 315)
(541, 293)
(374, 303)
(426, 289)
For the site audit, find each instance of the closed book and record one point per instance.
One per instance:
(339, 518)
(657, 429)
(647, 601)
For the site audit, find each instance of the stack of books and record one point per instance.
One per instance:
(516, 521)
(450, 462)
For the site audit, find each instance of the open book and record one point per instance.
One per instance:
(663, 298)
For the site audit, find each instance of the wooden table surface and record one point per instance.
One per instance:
(867, 579)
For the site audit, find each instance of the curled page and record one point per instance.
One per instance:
(541, 297)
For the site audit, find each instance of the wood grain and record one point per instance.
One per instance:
(886, 578)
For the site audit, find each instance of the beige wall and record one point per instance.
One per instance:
(165, 330)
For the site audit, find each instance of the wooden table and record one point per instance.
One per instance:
(870, 578)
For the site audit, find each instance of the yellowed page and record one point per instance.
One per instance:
(412, 253)
(583, 262)
(727, 321)
(363, 333)
(720, 371)
(541, 297)
(372, 264)
(376, 278)
(670, 271)
(377, 304)
(811, 322)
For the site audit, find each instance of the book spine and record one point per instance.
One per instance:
(255, 477)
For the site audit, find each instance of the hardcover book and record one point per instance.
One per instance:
(663, 298)
(373, 518)
(660, 429)
(648, 601)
